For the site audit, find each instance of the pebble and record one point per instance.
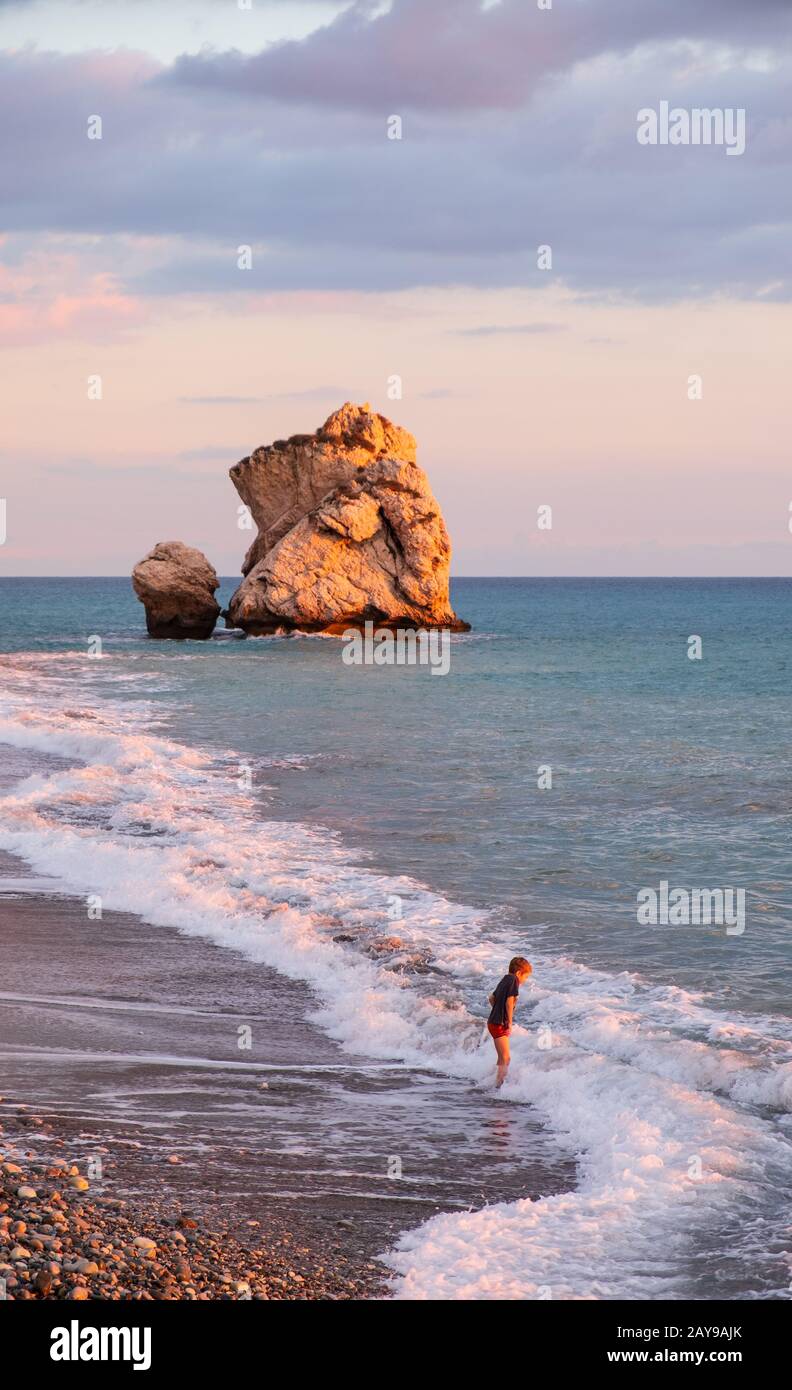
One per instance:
(87, 1247)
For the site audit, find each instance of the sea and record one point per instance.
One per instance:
(387, 837)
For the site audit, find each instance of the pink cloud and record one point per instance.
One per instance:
(38, 308)
(101, 305)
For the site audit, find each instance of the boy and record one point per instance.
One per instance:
(503, 999)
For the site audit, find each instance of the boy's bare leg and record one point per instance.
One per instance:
(504, 1057)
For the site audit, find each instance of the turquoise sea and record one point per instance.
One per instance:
(381, 834)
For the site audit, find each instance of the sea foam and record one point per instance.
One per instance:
(666, 1103)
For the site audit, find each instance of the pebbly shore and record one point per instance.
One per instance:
(59, 1240)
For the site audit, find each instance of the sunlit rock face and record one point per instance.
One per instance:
(282, 482)
(177, 585)
(348, 530)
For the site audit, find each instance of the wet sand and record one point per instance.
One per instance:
(122, 1039)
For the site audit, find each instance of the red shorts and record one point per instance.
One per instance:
(499, 1030)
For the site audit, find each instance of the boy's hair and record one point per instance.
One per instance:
(519, 963)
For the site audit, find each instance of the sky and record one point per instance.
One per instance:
(637, 384)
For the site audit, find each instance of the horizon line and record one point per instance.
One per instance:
(549, 578)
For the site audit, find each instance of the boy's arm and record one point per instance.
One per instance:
(510, 1002)
(491, 998)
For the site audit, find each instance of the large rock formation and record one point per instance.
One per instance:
(282, 482)
(348, 529)
(177, 586)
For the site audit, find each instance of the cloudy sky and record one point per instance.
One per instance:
(416, 258)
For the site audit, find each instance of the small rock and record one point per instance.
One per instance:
(176, 584)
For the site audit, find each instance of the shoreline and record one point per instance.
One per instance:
(130, 1030)
(281, 1161)
(60, 1240)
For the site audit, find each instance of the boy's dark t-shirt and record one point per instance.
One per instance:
(508, 988)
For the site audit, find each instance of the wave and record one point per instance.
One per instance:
(667, 1104)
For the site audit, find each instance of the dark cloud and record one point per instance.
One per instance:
(442, 394)
(490, 330)
(311, 393)
(219, 400)
(449, 55)
(183, 177)
(210, 453)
